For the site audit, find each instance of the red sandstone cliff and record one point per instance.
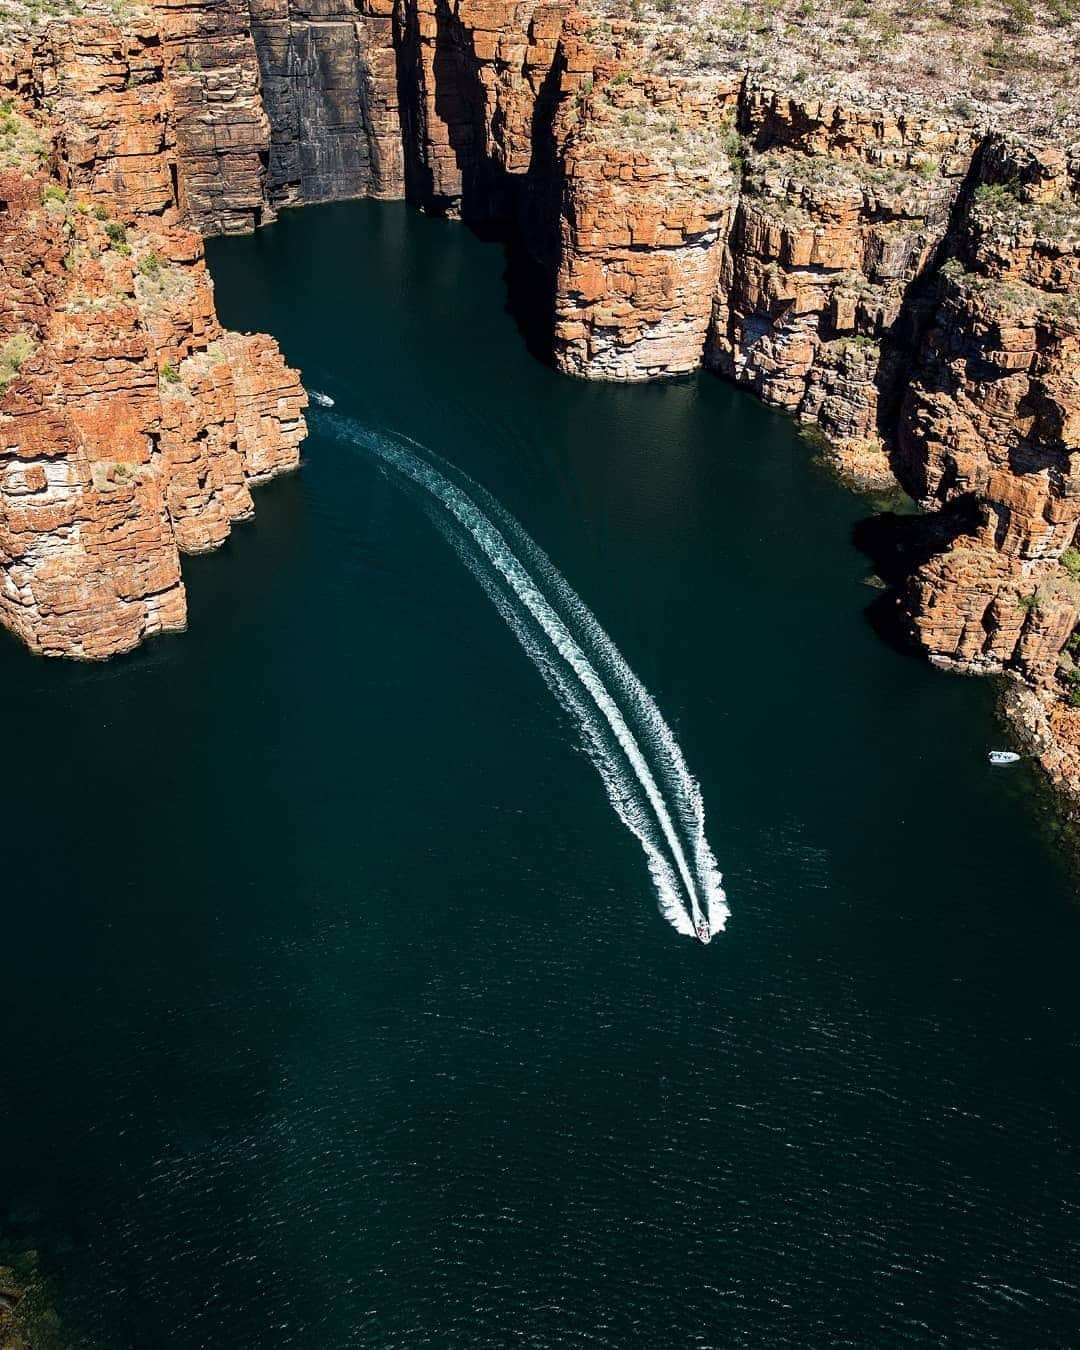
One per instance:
(131, 424)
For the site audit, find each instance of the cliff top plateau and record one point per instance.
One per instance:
(993, 64)
(984, 63)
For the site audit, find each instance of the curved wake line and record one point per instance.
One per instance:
(672, 834)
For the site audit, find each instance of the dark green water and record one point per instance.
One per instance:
(337, 1009)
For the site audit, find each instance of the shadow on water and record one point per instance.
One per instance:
(528, 289)
(897, 544)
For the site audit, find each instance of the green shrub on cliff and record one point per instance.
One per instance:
(13, 353)
(998, 196)
(169, 373)
(1071, 678)
(1070, 560)
(117, 237)
(22, 146)
(734, 145)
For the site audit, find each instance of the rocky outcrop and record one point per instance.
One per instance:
(841, 214)
(28, 1320)
(131, 424)
(992, 412)
(650, 189)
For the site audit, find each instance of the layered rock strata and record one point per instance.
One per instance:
(131, 424)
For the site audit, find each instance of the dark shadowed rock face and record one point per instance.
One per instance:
(329, 87)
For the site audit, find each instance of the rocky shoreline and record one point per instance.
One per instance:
(782, 201)
(27, 1320)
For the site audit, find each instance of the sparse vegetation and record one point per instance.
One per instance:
(117, 237)
(22, 144)
(169, 374)
(1070, 560)
(1014, 299)
(1057, 220)
(1019, 16)
(27, 1320)
(1071, 679)
(150, 265)
(998, 196)
(996, 62)
(13, 353)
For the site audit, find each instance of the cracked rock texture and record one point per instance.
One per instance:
(131, 423)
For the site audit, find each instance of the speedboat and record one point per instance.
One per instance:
(703, 934)
(323, 400)
(1003, 757)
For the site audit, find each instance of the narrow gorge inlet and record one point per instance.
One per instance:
(338, 1010)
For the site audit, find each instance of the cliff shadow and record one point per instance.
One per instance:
(529, 287)
(529, 234)
(518, 211)
(897, 546)
(901, 344)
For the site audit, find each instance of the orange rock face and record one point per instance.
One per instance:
(906, 287)
(131, 424)
(991, 413)
(650, 190)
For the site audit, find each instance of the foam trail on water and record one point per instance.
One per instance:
(574, 655)
(665, 748)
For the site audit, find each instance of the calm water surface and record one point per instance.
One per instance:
(337, 1009)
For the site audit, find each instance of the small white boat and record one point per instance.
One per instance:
(1003, 757)
(323, 400)
(703, 934)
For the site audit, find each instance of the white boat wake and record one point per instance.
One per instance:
(629, 742)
